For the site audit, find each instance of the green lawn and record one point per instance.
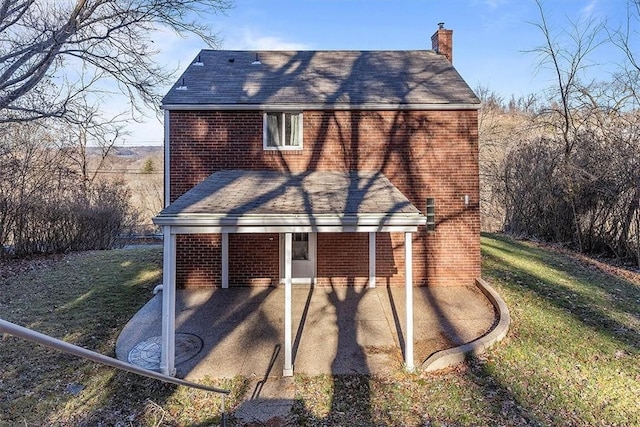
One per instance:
(572, 356)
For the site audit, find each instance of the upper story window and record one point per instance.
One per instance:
(282, 131)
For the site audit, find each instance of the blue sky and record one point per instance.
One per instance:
(490, 36)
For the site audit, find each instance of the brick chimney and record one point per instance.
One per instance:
(442, 42)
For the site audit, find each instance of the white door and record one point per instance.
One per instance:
(303, 257)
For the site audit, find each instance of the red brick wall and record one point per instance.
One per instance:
(424, 153)
(198, 260)
(253, 259)
(342, 259)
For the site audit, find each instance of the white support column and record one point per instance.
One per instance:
(372, 260)
(288, 362)
(225, 260)
(408, 274)
(168, 348)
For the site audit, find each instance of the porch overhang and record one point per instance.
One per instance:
(244, 201)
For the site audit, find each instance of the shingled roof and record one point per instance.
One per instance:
(325, 79)
(273, 198)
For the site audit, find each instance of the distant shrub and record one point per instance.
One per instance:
(87, 219)
(149, 167)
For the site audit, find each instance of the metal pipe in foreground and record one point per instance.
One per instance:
(46, 340)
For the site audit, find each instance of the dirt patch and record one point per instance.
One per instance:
(425, 348)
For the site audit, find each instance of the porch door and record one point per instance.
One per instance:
(303, 258)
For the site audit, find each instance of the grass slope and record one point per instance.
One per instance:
(573, 353)
(572, 356)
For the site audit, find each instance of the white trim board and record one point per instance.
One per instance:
(212, 229)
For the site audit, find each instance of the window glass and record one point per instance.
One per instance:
(274, 123)
(292, 127)
(283, 130)
(300, 246)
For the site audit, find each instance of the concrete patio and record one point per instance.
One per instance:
(240, 331)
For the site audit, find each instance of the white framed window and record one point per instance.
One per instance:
(282, 130)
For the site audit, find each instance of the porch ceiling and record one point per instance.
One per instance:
(245, 198)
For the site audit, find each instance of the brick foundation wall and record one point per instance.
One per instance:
(423, 153)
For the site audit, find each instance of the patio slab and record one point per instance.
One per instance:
(335, 330)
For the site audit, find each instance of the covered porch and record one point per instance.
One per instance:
(242, 201)
(346, 330)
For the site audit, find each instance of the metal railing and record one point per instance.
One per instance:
(46, 340)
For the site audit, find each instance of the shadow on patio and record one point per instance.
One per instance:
(242, 329)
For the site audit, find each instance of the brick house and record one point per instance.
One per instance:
(331, 168)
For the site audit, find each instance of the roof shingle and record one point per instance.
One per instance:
(320, 78)
(245, 193)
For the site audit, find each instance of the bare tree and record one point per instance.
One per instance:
(41, 41)
(90, 130)
(573, 177)
(626, 36)
(567, 60)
